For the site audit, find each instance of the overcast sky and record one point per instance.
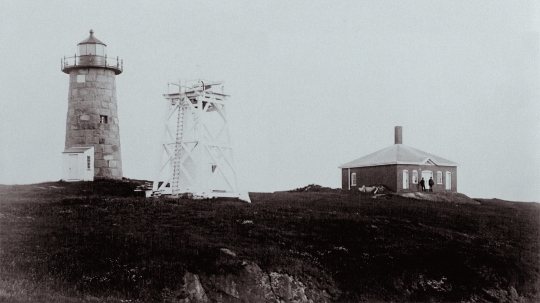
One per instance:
(313, 84)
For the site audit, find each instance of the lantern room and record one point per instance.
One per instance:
(92, 46)
(92, 53)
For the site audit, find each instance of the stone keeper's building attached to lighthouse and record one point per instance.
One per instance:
(92, 133)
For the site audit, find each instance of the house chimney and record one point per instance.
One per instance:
(398, 135)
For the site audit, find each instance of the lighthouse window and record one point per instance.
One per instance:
(103, 119)
(82, 49)
(88, 162)
(81, 78)
(100, 50)
(90, 49)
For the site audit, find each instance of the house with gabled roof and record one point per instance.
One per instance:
(400, 168)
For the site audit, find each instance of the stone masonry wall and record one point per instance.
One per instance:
(88, 101)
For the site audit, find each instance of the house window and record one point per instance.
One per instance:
(405, 179)
(81, 78)
(439, 177)
(88, 162)
(448, 180)
(103, 119)
(353, 179)
(415, 177)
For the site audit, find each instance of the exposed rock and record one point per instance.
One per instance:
(190, 291)
(228, 252)
(503, 296)
(288, 289)
(249, 284)
(451, 197)
(315, 188)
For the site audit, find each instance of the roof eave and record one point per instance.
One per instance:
(366, 165)
(395, 163)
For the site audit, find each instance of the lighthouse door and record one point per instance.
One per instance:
(73, 167)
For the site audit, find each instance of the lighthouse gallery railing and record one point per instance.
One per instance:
(92, 60)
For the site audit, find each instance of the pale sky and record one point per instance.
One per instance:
(313, 84)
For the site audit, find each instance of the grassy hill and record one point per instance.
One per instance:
(99, 242)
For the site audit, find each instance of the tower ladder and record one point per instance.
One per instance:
(178, 150)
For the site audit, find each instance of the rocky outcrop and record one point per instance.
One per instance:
(450, 197)
(249, 284)
(189, 291)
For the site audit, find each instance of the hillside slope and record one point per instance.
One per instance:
(94, 242)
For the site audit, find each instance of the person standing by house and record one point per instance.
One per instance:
(423, 184)
(431, 183)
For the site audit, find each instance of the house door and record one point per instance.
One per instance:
(426, 174)
(448, 180)
(73, 167)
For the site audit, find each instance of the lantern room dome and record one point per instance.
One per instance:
(91, 40)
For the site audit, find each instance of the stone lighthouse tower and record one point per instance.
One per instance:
(92, 147)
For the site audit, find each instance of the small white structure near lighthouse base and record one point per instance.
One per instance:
(78, 163)
(197, 156)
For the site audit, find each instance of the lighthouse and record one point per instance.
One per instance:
(92, 149)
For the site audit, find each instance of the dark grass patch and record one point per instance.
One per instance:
(97, 240)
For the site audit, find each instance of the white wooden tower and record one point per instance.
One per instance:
(197, 156)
